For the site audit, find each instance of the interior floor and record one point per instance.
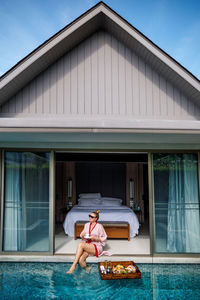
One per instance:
(140, 245)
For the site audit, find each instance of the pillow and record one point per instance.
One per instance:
(111, 199)
(116, 202)
(90, 199)
(90, 195)
(88, 202)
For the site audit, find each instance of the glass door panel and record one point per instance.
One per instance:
(176, 203)
(26, 201)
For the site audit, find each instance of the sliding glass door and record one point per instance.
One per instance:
(176, 203)
(26, 201)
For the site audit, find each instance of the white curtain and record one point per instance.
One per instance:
(26, 210)
(183, 205)
(13, 207)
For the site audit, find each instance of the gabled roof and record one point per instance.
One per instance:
(99, 17)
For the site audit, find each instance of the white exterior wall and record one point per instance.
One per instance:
(101, 77)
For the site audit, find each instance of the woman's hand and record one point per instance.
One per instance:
(82, 235)
(95, 238)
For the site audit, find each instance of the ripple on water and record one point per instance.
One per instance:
(49, 281)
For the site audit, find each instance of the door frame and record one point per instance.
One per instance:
(150, 193)
(51, 202)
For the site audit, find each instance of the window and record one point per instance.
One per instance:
(26, 201)
(176, 203)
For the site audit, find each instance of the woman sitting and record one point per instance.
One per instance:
(94, 238)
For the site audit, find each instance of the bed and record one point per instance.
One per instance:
(111, 209)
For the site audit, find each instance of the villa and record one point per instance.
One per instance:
(98, 109)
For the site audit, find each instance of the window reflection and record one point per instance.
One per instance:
(26, 209)
(176, 200)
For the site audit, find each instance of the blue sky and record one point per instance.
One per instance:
(173, 25)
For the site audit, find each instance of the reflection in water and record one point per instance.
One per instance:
(49, 281)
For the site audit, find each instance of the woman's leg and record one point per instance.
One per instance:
(82, 259)
(89, 248)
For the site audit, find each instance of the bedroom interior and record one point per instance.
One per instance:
(109, 177)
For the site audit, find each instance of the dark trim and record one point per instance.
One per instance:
(102, 157)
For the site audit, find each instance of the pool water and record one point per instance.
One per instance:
(49, 281)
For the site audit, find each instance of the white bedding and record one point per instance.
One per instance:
(107, 213)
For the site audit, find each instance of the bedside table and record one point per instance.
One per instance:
(64, 211)
(138, 213)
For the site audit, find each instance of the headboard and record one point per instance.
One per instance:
(107, 178)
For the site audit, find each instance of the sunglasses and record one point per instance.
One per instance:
(91, 217)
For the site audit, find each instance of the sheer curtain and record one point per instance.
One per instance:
(26, 202)
(13, 208)
(183, 204)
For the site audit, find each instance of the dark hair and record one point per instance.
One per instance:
(96, 213)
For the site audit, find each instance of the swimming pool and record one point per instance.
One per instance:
(49, 281)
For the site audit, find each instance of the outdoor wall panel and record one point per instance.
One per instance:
(122, 91)
(108, 75)
(67, 85)
(170, 100)
(60, 87)
(149, 90)
(81, 96)
(101, 72)
(94, 77)
(135, 84)
(115, 77)
(142, 88)
(46, 85)
(32, 96)
(101, 77)
(53, 89)
(163, 96)
(156, 94)
(128, 82)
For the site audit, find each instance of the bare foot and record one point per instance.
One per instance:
(87, 269)
(71, 270)
(83, 265)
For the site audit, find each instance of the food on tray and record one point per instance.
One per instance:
(120, 269)
(131, 269)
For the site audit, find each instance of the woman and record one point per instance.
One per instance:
(94, 238)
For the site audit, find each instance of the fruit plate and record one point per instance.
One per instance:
(125, 264)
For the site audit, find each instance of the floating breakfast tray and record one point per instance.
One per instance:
(125, 264)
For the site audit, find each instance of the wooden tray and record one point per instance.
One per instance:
(120, 276)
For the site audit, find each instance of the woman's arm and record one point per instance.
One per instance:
(103, 235)
(83, 232)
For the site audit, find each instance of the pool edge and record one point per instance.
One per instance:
(70, 258)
